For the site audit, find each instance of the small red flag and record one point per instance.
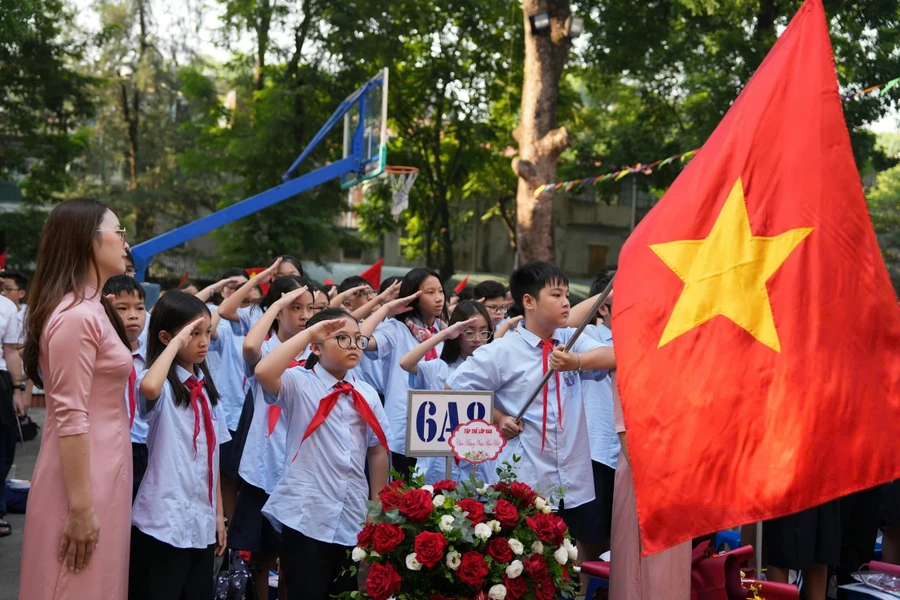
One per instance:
(373, 274)
(256, 271)
(328, 281)
(757, 332)
(461, 285)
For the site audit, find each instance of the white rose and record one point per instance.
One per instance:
(438, 500)
(483, 531)
(374, 554)
(540, 503)
(497, 592)
(571, 549)
(514, 569)
(537, 548)
(547, 510)
(358, 554)
(561, 555)
(429, 488)
(412, 563)
(494, 525)
(482, 491)
(453, 560)
(516, 546)
(446, 523)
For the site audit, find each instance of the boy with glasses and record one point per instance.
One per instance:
(492, 295)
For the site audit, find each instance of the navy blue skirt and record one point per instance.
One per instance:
(250, 530)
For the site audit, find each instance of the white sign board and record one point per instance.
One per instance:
(432, 416)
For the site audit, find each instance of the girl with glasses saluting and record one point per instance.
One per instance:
(470, 328)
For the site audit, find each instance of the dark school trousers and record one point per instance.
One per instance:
(159, 571)
(315, 570)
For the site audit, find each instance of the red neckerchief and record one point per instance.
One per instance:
(132, 401)
(275, 411)
(327, 403)
(199, 403)
(547, 349)
(423, 334)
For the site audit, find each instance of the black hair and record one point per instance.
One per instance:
(464, 311)
(129, 256)
(235, 272)
(409, 286)
(467, 293)
(328, 314)
(287, 258)
(277, 289)
(388, 282)
(18, 277)
(490, 289)
(172, 312)
(513, 312)
(328, 287)
(532, 278)
(124, 284)
(352, 282)
(600, 283)
(186, 285)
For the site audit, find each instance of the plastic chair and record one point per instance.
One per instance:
(599, 572)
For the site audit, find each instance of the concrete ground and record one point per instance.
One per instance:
(11, 546)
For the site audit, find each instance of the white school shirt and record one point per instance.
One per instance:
(598, 407)
(172, 504)
(262, 462)
(226, 366)
(432, 375)
(248, 316)
(512, 368)
(9, 326)
(394, 340)
(323, 493)
(139, 428)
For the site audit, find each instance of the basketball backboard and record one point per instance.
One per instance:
(369, 141)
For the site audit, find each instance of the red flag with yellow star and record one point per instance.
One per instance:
(757, 332)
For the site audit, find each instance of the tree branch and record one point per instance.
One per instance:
(553, 144)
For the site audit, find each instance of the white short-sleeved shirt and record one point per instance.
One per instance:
(9, 326)
(248, 316)
(262, 462)
(511, 367)
(139, 428)
(323, 493)
(432, 375)
(394, 340)
(226, 366)
(598, 407)
(172, 504)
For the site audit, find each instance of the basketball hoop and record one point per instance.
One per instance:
(402, 180)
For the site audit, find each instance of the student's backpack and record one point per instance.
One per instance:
(235, 579)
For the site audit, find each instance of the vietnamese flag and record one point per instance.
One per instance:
(373, 274)
(757, 333)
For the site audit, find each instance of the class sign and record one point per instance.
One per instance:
(432, 416)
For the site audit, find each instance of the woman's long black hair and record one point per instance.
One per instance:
(464, 311)
(410, 285)
(277, 289)
(325, 315)
(172, 312)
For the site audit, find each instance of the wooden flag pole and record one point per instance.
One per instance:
(587, 319)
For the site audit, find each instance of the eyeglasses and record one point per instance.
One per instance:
(9, 290)
(345, 342)
(497, 309)
(118, 232)
(473, 335)
(367, 294)
(130, 271)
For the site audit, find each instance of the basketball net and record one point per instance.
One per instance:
(402, 180)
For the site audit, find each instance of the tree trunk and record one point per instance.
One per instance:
(540, 141)
(264, 22)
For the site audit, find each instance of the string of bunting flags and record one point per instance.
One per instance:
(647, 169)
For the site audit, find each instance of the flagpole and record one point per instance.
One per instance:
(584, 323)
(759, 543)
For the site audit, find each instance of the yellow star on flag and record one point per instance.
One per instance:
(725, 274)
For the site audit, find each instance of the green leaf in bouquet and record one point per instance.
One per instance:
(394, 517)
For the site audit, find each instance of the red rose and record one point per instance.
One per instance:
(444, 485)
(499, 550)
(543, 589)
(546, 529)
(561, 530)
(416, 505)
(391, 495)
(364, 537)
(522, 491)
(387, 537)
(536, 566)
(472, 569)
(506, 513)
(515, 588)
(430, 548)
(502, 487)
(474, 508)
(383, 581)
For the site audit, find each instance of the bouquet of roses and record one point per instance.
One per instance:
(464, 541)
